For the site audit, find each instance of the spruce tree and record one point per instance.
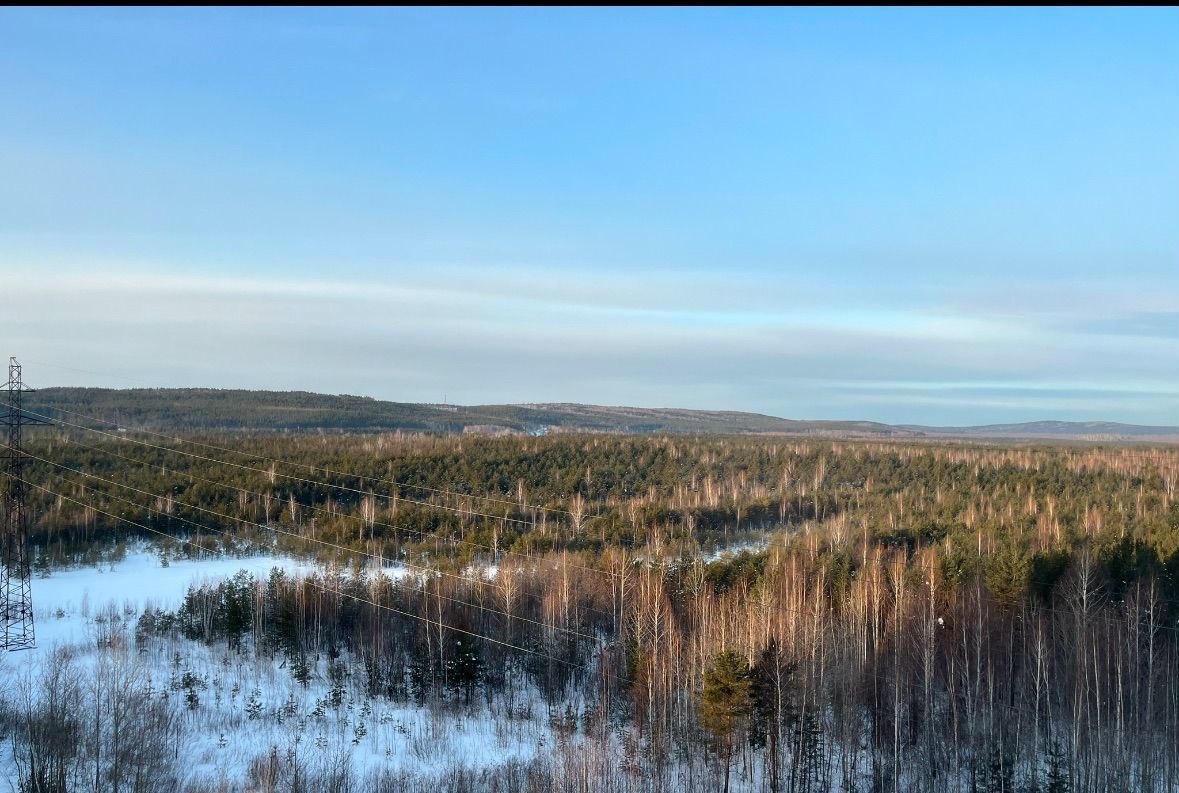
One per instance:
(725, 703)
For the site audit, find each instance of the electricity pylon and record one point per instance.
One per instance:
(16, 610)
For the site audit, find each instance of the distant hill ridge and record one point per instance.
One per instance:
(1050, 428)
(241, 410)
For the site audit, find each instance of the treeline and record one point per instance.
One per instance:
(197, 409)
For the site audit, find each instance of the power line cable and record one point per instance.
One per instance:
(143, 443)
(324, 543)
(325, 484)
(780, 608)
(314, 583)
(308, 466)
(389, 499)
(422, 535)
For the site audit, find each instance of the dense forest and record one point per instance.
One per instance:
(892, 616)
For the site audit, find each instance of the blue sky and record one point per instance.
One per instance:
(935, 216)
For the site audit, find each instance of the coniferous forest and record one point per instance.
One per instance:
(680, 613)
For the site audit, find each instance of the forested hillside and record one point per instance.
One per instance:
(902, 617)
(215, 409)
(207, 409)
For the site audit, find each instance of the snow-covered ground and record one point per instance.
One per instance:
(65, 602)
(74, 606)
(729, 551)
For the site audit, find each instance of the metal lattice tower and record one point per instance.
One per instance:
(16, 610)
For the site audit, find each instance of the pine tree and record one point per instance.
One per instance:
(421, 673)
(994, 772)
(300, 670)
(336, 673)
(726, 702)
(1058, 781)
(254, 704)
(465, 670)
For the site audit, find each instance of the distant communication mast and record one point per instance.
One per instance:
(16, 611)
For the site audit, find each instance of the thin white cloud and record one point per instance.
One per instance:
(438, 333)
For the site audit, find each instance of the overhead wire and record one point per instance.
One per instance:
(307, 466)
(327, 484)
(420, 533)
(775, 607)
(264, 472)
(862, 673)
(314, 583)
(316, 540)
(389, 498)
